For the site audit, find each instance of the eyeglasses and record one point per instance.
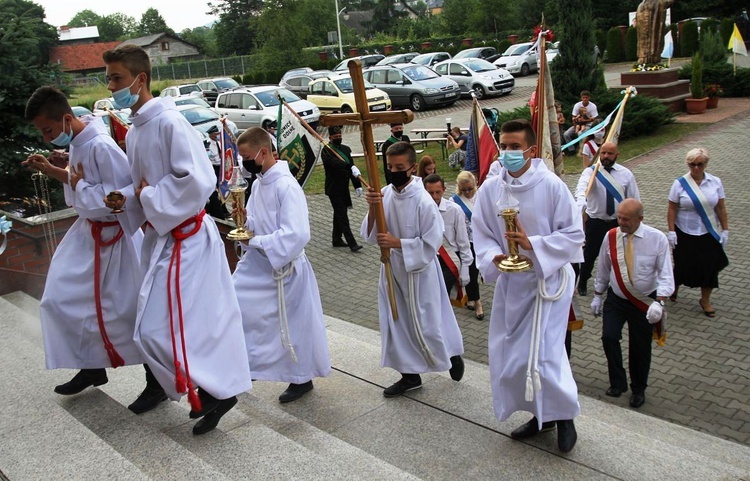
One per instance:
(697, 164)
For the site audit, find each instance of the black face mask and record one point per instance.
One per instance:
(400, 178)
(398, 134)
(252, 167)
(337, 142)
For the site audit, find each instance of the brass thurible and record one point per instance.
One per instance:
(508, 208)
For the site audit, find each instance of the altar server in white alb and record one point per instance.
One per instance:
(426, 336)
(275, 283)
(529, 368)
(189, 326)
(89, 303)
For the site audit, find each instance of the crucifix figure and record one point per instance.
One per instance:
(366, 119)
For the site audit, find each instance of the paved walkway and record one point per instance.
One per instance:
(701, 379)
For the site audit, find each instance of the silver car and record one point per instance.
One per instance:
(258, 106)
(413, 86)
(477, 75)
(519, 58)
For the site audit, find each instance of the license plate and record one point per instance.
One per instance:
(452, 94)
(506, 90)
(377, 107)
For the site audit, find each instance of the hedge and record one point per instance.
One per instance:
(689, 39)
(614, 45)
(631, 44)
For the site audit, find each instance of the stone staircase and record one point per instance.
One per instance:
(344, 429)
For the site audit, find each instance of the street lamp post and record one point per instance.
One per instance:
(338, 27)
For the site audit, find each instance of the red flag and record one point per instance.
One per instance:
(118, 129)
(481, 149)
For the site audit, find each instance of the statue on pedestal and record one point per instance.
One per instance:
(649, 20)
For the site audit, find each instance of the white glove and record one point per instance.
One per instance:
(596, 305)
(581, 203)
(724, 237)
(672, 238)
(359, 191)
(654, 313)
(355, 171)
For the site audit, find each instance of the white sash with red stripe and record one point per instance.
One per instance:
(452, 261)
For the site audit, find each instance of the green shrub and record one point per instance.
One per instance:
(675, 29)
(696, 81)
(712, 50)
(614, 45)
(601, 39)
(689, 39)
(723, 74)
(725, 29)
(503, 45)
(517, 113)
(631, 44)
(643, 114)
(709, 25)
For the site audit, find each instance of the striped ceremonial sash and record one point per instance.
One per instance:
(642, 302)
(609, 183)
(450, 261)
(701, 204)
(462, 205)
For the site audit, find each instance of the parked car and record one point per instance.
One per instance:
(414, 86)
(398, 58)
(553, 51)
(296, 71)
(477, 75)
(79, 111)
(367, 61)
(214, 86)
(121, 114)
(190, 100)
(519, 58)
(181, 90)
(258, 106)
(203, 119)
(486, 53)
(430, 59)
(107, 104)
(337, 93)
(299, 83)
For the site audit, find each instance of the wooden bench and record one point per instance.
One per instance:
(378, 154)
(425, 132)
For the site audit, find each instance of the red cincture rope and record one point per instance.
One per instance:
(96, 232)
(182, 384)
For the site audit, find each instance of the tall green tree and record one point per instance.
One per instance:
(203, 38)
(453, 18)
(152, 23)
(85, 18)
(384, 17)
(117, 26)
(236, 30)
(25, 40)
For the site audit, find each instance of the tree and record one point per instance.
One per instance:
(152, 23)
(575, 70)
(235, 32)
(117, 26)
(85, 18)
(203, 38)
(25, 40)
(453, 18)
(384, 15)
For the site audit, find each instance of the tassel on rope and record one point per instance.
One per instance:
(529, 388)
(193, 399)
(180, 384)
(114, 357)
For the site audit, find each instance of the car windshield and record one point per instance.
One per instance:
(479, 65)
(199, 115)
(226, 83)
(424, 59)
(186, 89)
(345, 85)
(191, 100)
(419, 72)
(268, 98)
(514, 50)
(467, 53)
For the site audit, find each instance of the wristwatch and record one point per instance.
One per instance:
(661, 303)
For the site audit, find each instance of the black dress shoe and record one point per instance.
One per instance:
(614, 391)
(531, 428)
(82, 380)
(637, 400)
(148, 400)
(208, 404)
(356, 248)
(566, 435)
(457, 368)
(340, 244)
(211, 420)
(295, 391)
(408, 382)
(582, 291)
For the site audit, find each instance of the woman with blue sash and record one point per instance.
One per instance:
(698, 229)
(466, 187)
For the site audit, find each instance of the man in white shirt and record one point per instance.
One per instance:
(591, 112)
(635, 264)
(456, 245)
(613, 184)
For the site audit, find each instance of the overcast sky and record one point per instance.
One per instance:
(178, 15)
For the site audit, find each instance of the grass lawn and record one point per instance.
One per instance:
(628, 149)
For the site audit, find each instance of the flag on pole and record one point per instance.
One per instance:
(296, 144)
(668, 51)
(229, 156)
(736, 43)
(543, 113)
(481, 149)
(118, 129)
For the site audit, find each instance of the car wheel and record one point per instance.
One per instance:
(417, 102)
(524, 70)
(479, 91)
(346, 109)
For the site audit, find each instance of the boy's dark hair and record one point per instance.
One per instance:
(403, 148)
(520, 125)
(132, 57)
(586, 93)
(48, 101)
(432, 179)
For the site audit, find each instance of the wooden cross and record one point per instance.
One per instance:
(366, 119)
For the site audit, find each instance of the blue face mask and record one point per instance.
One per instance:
(64, 138)
(513, 160)
(124, 99)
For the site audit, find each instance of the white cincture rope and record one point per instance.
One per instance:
(415, 319)
(279, 276)
(535, 385)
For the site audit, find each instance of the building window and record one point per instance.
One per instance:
(165, 45)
